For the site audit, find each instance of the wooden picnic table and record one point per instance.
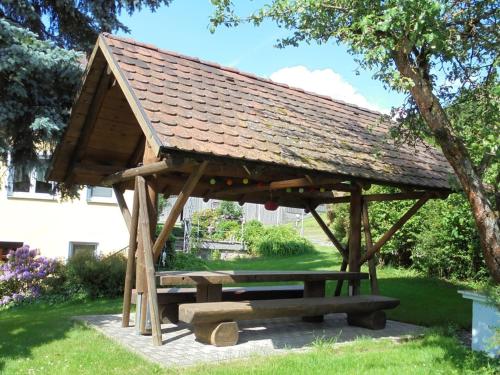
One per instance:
(209, 283)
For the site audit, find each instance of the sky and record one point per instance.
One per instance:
(327, 69)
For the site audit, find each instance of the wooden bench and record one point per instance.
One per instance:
(215, 322)
(169, 299)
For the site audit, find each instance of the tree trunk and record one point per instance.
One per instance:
(454, 150)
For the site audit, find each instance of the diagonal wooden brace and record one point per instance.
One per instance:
(176, 210)
(132, 247)
(328, 232)
(123, 207)
(388, 235)
(372, 267)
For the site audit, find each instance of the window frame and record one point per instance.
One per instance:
(32, 193)
(105, 200)
(71, 247)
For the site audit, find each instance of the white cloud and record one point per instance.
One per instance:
(324, 82)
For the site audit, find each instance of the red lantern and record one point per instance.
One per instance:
(229, 182)
(271, 206)
(261, 184)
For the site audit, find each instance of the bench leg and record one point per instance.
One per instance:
(208, 293)
(314, 289)
(218, 334)
(374, 320)
(169, 313)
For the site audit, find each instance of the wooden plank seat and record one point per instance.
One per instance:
(215, 322)
(170, 298)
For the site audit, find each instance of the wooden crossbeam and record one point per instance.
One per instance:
(372, 266)
(177, 207)
(388, 235)
(144, 170)
(145, 235)
(90, 121)
(132, 247)
(123, 207)
(328, 232)
(386, 197)
(333, 184)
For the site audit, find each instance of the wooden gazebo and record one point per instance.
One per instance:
(161, 123)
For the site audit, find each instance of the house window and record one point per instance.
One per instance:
(30, 182)
(82, 248)
(99, 194)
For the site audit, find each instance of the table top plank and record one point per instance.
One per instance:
(229, 277)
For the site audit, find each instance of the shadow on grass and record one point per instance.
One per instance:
(24, 328)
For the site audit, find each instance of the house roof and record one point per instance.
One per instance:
(185, 104)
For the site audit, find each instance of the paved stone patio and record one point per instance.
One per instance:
(256, 337)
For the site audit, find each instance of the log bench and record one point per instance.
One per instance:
(215, 322)
(169, 299)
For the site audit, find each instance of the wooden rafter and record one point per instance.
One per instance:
(177, 208)
(145, 234)
(372, 266)
(90, 121)
(388, 235)
(132, 247)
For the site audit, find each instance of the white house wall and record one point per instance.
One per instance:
(51, 225)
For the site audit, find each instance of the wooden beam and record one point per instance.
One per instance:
(177, 208)
(388, 197)
(355, 237)
(132, 247)
(144, 170)
(145, 226)
(388, 235)
(90, 121)
(328, 232)
(123, 207)
(372, 266)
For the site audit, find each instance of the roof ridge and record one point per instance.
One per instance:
(237, 71)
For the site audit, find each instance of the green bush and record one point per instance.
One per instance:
(229, 211)
(96, 276)
(282, 241)
(186, 262)
(439, 240)
(252, 233)
(227, 230)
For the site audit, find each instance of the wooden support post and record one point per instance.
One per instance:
(355, 237)
(314, 289)
(328, 232)
(145, 225)
(388, 235)
(176, 210)
(132, 247)
(372, 265)
(123, 207)
(140, 277)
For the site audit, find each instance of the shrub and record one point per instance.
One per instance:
(97, 276)
(185, 261)
(282, 241)
(24, 275)
(227, 230)
(252, 233)
(229, 211)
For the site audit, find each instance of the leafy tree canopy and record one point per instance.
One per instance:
(73, 24)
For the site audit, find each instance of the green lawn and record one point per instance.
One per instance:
(42, 339)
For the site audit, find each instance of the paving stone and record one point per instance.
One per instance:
(257, 337)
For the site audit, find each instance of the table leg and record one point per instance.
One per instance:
(314, 289)
(208, 292)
